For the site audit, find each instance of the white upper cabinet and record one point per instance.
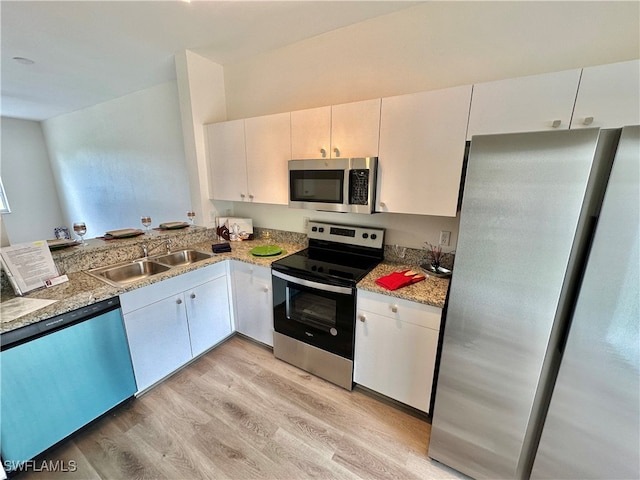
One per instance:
(422, 143)
(248, 159)
(340, 131)
(524, 104)
(311, 133)
(268, 146)
(609, 96)
(227, 159)
(355, 129)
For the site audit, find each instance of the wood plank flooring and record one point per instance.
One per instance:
(239, 413)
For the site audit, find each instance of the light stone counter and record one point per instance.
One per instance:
(431, 291)
(83, 289)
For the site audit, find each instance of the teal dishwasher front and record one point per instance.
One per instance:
(58, 375)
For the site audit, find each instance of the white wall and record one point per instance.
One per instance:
(430, 46)
(121, 159)
(28, 181)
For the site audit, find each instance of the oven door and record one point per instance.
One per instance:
(315, 313)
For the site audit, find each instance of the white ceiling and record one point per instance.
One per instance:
(88, 52)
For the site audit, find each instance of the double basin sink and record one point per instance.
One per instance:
(124, 273)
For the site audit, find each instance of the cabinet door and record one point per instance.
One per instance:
(422, 143)
(524, 104)
(158, 339)
(208, 314)
(609, 96)
(268, 143)
(311, 133)
(227, 159)
(355, 129)
(395, 358)
(253, 301)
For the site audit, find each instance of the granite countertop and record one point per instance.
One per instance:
(82, 289)
(431, 291)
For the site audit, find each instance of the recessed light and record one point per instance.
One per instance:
(24, 61)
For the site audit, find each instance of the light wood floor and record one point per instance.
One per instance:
(239, 413)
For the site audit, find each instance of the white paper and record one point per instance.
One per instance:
(17, 307)
(30, 264)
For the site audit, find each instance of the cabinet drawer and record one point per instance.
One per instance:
(400, 309)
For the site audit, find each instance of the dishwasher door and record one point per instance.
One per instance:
(60, 374)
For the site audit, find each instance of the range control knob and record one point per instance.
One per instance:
(321, 229)
(314, 229)
(365, 235)
(373, 236)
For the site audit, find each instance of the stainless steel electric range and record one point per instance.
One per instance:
(314, 298)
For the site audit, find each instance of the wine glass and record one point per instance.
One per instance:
(81, 229)
(191, 215)
(146, 221)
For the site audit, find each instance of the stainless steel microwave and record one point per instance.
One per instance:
(333, 184)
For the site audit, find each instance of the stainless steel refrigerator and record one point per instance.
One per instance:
(545, 288)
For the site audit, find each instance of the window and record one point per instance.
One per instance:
(4, 204)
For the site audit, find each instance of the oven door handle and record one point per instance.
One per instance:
(310, 284)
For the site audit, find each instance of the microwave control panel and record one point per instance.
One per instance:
(359, 186)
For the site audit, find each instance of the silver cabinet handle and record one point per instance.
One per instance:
(336, 151)
(250, 197)
(179, 301)
(323, 152)
(265, 289)
(556, 123)
(242, 196)
(383, 205)
(394, 308)
(362, 318)
(587, 121)
(192, 296)
(309, 283)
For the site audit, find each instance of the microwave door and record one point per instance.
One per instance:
(318, 189)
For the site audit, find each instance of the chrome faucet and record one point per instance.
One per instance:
(146, 248)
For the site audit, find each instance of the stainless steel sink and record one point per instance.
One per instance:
(128, 272)
(124, 273)
(182, 257)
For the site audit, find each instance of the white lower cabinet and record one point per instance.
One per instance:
(208, 314)
(253, 301)
(395, 347)
(170, 322)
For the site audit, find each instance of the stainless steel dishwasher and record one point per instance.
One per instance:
(58, 375)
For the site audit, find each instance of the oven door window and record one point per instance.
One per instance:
(313, 309)
(322, 186)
